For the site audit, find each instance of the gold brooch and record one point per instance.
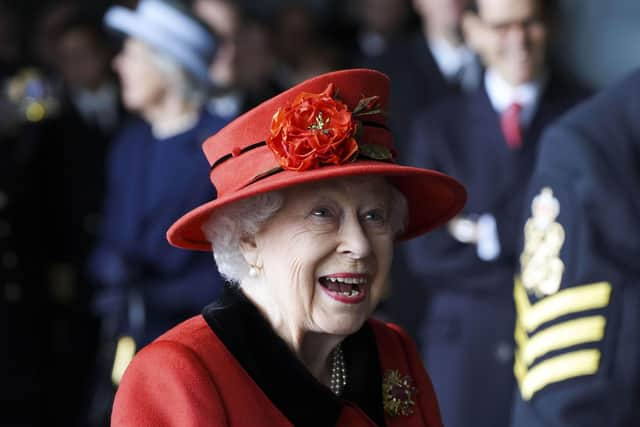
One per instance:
(398, 393)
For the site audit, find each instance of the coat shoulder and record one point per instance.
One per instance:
(162, 383)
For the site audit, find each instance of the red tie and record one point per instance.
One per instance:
(510, 122)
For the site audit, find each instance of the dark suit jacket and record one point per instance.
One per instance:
(590, 161)
(462, 137)
(416, 84)
(74, 153)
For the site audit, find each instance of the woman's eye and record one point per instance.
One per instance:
(376, 216)
(321, 213)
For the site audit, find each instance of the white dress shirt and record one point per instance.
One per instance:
(502, 94)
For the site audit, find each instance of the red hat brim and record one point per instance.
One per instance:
(433, 198)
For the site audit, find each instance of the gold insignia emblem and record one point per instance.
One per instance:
(398, 393)
(540, 261)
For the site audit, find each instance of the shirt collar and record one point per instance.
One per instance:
(99, 106)
(502, 94)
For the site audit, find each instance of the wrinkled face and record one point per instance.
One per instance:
(326, 254)
(143, 85)
(511, 36)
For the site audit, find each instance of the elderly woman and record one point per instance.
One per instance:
(309, 206)
(156, 172)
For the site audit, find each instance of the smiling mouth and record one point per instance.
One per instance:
(344, 287)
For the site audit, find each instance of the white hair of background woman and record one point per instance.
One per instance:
(193, 90)
(245, 217)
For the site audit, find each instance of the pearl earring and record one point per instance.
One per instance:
(253, 271)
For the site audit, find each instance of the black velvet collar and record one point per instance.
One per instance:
(283, 378)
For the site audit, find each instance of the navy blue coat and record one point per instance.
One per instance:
(151, 184)
(466, 331)
(578, 295)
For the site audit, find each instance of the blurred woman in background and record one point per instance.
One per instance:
(156, 172)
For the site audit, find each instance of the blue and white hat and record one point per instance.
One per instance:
(169, 30)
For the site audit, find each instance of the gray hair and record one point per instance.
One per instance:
(227, 227)
(231, 224)
(192, 89)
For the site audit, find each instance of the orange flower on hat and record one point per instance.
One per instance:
(314, 130)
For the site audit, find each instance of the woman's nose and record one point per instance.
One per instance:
(354, 241)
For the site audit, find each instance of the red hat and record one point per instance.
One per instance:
(327, 127)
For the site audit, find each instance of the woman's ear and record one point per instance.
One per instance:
(249, 250)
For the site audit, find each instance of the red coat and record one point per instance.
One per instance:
(188, 377)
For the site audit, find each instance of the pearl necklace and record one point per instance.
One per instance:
(338, 379)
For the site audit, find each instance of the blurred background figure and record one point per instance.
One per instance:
(24, 337)
(378, 23)
(49, 20)
(243, 69)
(306, 43)
(144, 286)
(255, 62)
(53, 165)
(296, 34)
(426, 66)
(441, 25)
(583, 205)
(89, 116)
(488, 140)
(223, 19)
(72, 152)
(83, 58)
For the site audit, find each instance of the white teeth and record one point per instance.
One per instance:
(348, 280)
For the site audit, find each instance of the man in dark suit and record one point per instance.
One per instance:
(578, 291)
(426, 67)
(486, 139)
